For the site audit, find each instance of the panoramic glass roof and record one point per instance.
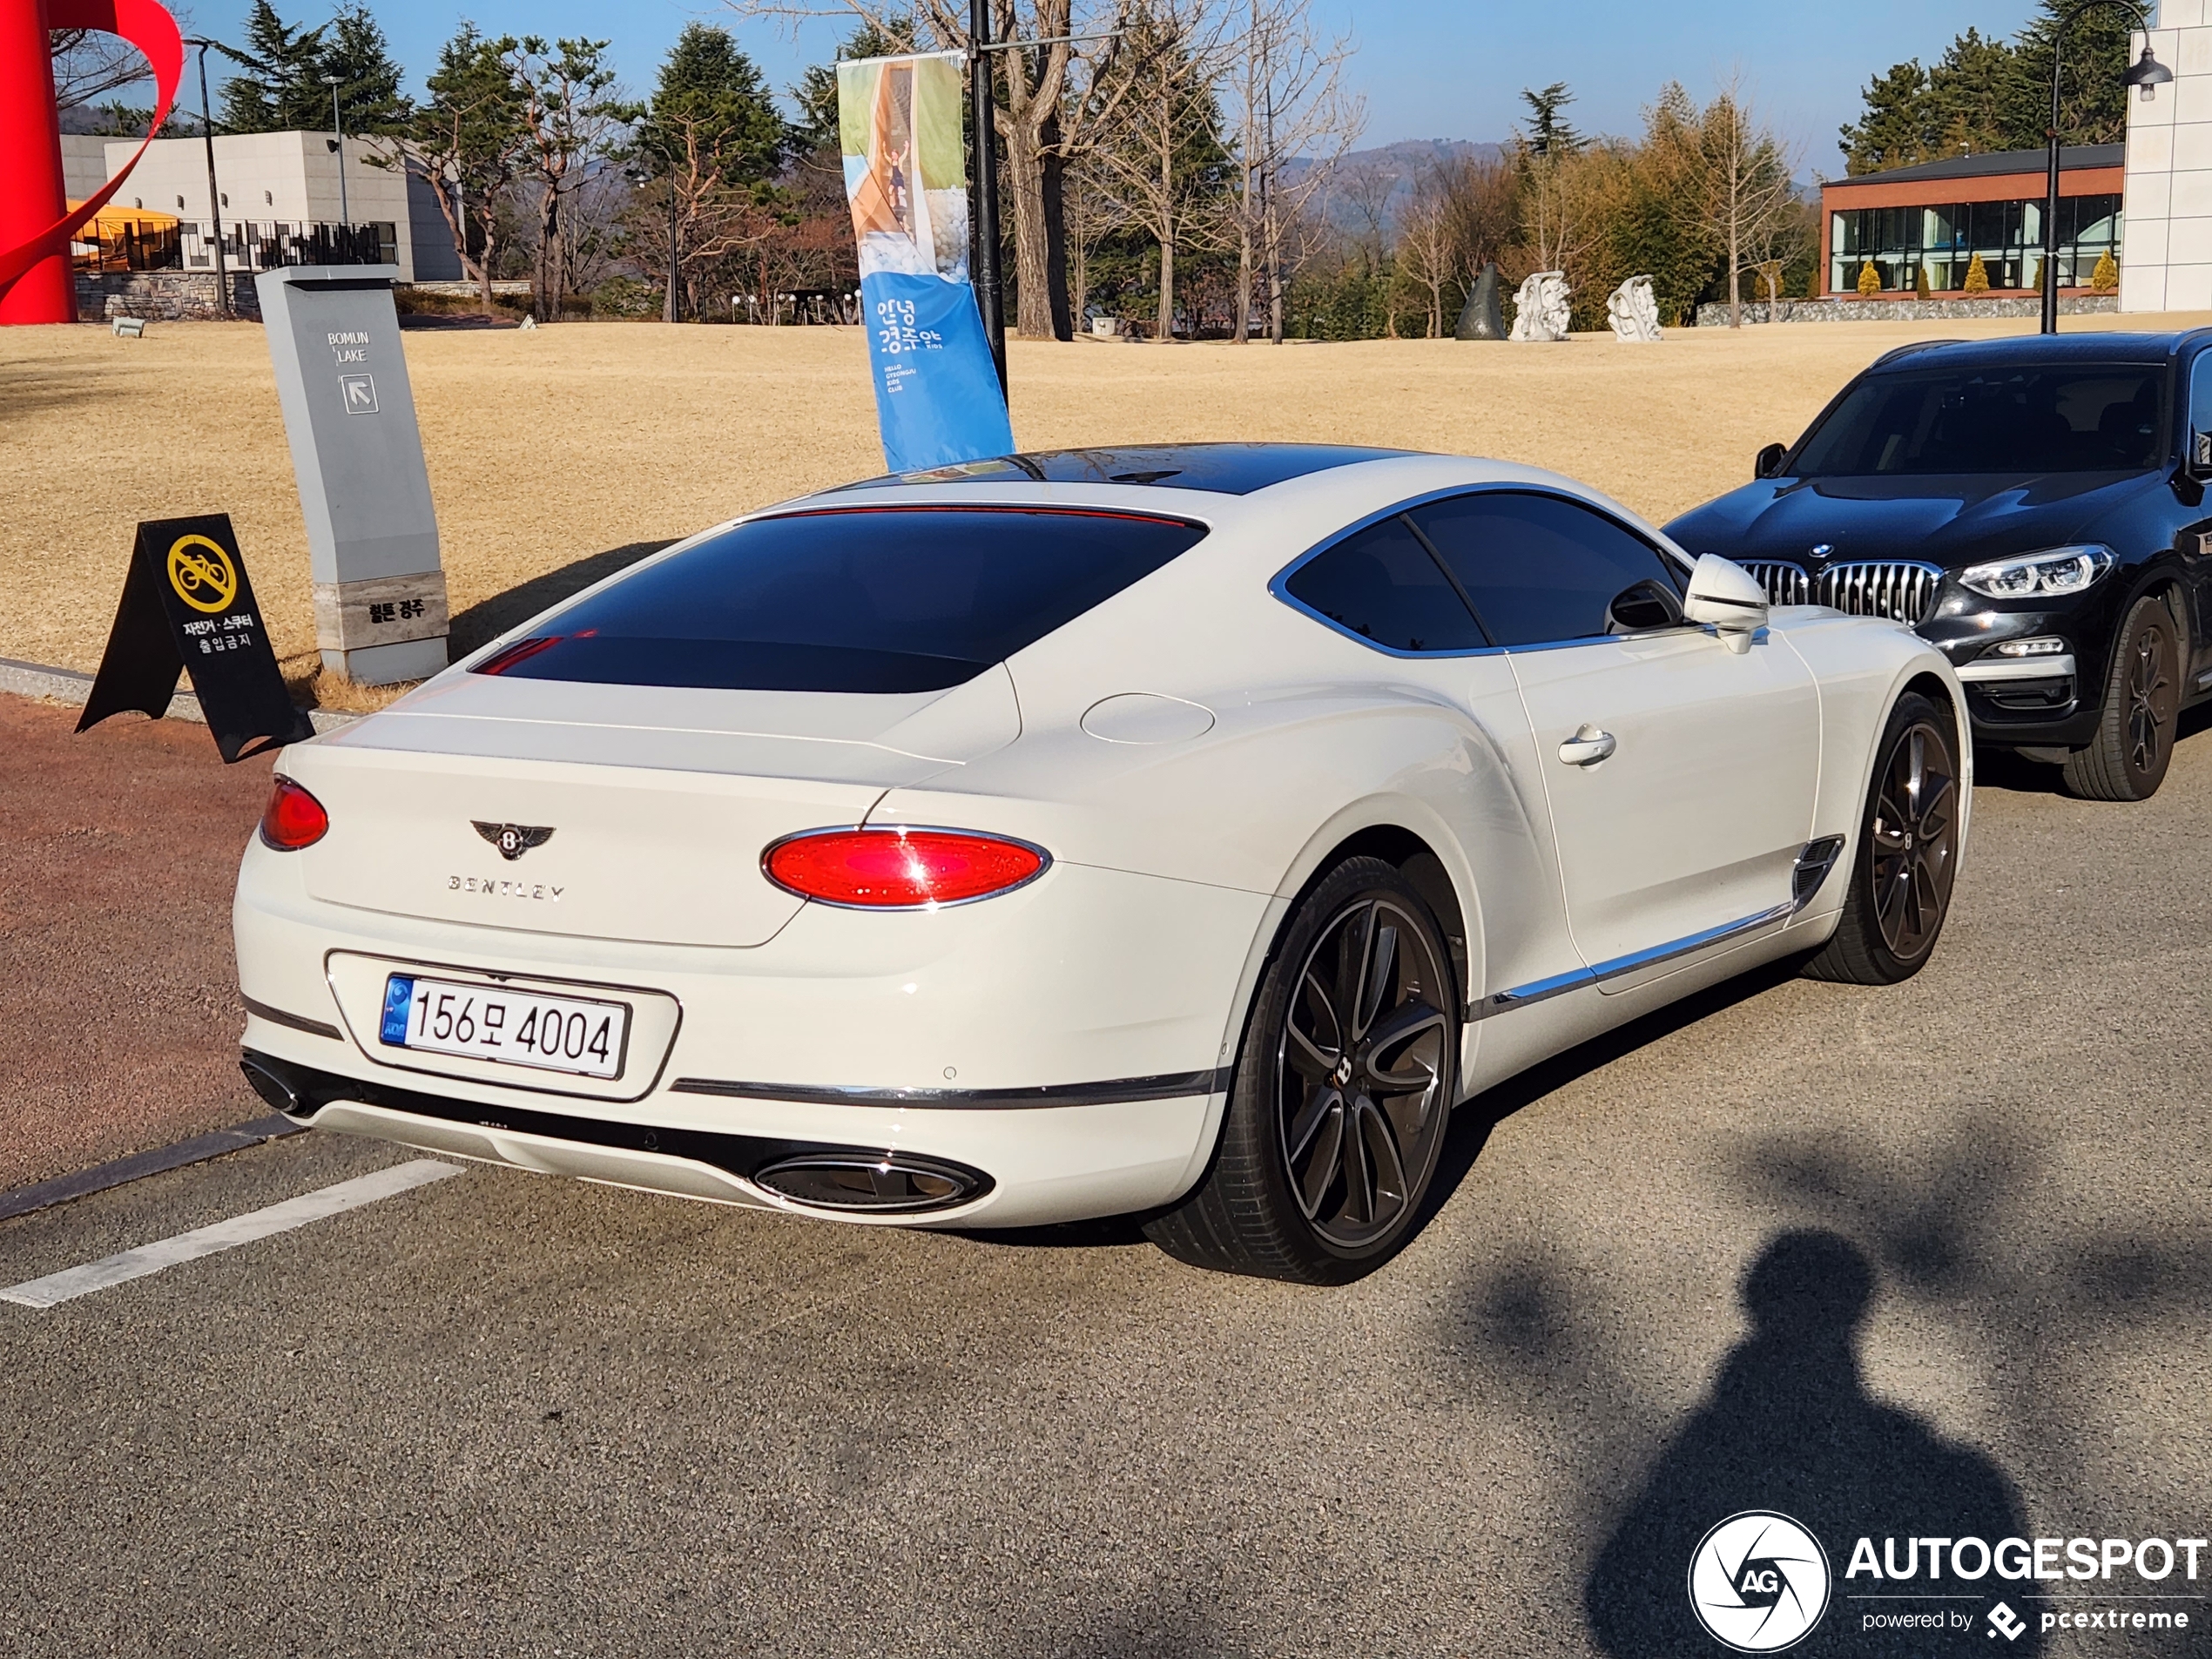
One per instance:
(1225, 468)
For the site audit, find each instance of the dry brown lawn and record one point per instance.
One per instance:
(558, 454)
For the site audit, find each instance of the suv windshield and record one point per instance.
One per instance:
(888, 599)
(2072, 417)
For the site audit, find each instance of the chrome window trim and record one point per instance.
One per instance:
(1278, 584)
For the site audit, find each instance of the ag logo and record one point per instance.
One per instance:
(204, 580)
(513, 839)
(1758, 1582)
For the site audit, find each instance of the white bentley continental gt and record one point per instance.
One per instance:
(1177, 832)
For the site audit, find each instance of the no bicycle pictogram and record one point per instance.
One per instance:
(206, 580)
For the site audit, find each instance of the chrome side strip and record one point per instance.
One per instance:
(1111, 1092)
(1817, 858)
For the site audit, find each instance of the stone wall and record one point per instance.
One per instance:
(164, 296)
(1715, 315)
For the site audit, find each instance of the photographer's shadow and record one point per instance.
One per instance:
(1790, 1427)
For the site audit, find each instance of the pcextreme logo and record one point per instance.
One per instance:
(1759, 1583)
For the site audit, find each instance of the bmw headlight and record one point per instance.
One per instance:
(2059, 570)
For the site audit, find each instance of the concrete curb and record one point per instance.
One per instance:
(67, 685)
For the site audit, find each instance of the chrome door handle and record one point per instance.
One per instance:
(1588, 746)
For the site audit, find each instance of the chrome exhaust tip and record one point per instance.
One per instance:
(273, 1088)
(858, 1182)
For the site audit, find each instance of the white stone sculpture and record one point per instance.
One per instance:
(1540, 310)
(1632, 311)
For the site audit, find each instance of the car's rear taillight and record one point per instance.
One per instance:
(900, 869)
(293, 819)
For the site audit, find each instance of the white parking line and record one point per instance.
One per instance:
(224, 1235)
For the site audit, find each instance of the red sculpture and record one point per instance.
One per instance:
(36, 219)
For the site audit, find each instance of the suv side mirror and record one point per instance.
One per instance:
(1768, 463)
(1728, 598)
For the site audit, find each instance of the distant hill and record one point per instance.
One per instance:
(1381, 181)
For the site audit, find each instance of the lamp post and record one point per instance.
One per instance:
(338, 149)
(215, 200)
(990, 294)
(2145, 72)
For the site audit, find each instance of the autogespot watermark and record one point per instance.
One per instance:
(1759, 1583)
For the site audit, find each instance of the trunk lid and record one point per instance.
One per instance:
(660, 801)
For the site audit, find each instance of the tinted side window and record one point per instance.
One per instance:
(1538, 567)
(1381, 584)
(2200, 394)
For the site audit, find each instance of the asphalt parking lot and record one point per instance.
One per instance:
(499, 1413)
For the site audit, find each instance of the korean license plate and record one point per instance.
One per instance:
(493, 1023)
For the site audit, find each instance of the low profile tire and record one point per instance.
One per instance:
(1343, 1089)
(2134, 741)
(1908, 852)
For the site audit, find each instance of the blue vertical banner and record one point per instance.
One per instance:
(937, 395)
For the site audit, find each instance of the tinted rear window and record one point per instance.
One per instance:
(887, 600)
(2076, 417)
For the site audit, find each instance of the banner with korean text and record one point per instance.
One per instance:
(937, 393)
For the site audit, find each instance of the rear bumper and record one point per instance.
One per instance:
(1047, 1165)
(963, 1038)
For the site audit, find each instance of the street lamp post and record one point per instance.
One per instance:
(990, 294)
(338, 149)
(2145, 72)
(215, 200)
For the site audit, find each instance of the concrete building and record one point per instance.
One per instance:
(282, 179)
(2168, 263)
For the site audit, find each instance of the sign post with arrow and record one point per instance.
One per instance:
(372, 533)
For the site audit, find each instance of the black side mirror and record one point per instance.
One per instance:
(1768, 463)
(1646, 605)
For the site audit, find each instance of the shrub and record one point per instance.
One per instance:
(1870, 280)
(1920, 280)
(2106, 277)
(622, 296)
(1977, 276)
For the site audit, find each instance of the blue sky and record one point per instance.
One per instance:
(1431, 69)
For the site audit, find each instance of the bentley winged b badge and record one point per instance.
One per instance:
(513, 839)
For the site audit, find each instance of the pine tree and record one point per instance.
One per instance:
(2106, 277)
(1920, 281)
(1870, 280)
(1894, 131)
(2093, 97)
(1548, 133)
(816, 93)
(1977, 276)
(281, 89)
(711, 96)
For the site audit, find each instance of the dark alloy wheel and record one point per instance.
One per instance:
(2134, 741)
(1343, 1091)
(1908, 853)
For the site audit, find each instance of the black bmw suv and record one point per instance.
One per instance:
(2036, 508)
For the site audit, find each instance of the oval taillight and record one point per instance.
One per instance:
(900, 869)
(293, 819)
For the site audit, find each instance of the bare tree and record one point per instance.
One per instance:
(573, 117)
(90, 63)
(1428, 252)
(1747, 200)
(1042, 89)
(1288, 104)
(1163, 158)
